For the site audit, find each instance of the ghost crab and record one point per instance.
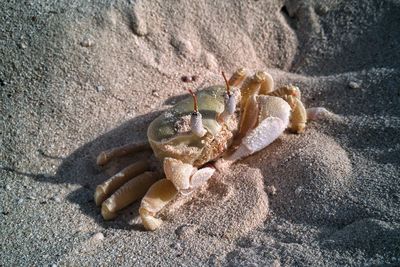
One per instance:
(199, 135)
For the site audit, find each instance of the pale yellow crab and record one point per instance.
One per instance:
(219, 125)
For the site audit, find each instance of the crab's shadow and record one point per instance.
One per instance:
(80, 168)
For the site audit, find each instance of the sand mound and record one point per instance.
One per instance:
(230, 205)
(308, 171)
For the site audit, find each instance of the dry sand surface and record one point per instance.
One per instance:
(77, 77)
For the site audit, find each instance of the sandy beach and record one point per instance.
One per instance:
(78, 77)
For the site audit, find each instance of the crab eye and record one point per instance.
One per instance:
(196, 122)
(230, 101)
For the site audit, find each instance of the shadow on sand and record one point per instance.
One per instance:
(80, 168)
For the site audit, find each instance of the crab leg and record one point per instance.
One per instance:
(299, 114)
(250, 87)
(105, 156)
(128, 193)
(237, 77)
(261, 83)
(267, 84)
(317, 113)
(104, 190)
(249, 116)
(286, 90)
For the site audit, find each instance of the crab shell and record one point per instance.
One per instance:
(170, 136)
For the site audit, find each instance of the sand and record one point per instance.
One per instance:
(78, 77)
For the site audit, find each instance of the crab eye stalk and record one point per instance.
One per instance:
(230, 101)
(196, 123)
(195, 107)
(228, 92)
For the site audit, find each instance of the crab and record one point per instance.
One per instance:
(199, 136)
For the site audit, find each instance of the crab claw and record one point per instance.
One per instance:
(178, 173)
(263, 135)
(180, 178)
(274, 113)
(159, 194)
(184, 176)
(201, 176)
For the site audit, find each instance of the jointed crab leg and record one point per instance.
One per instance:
(237, 77)
(105, 156)
(128, 193)
(292, 95)
(316, 113)
(250, 86)
(267, 85)
(104, 190)
(299, 114)
(249, 117)
(261, 83)
(286, 90)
